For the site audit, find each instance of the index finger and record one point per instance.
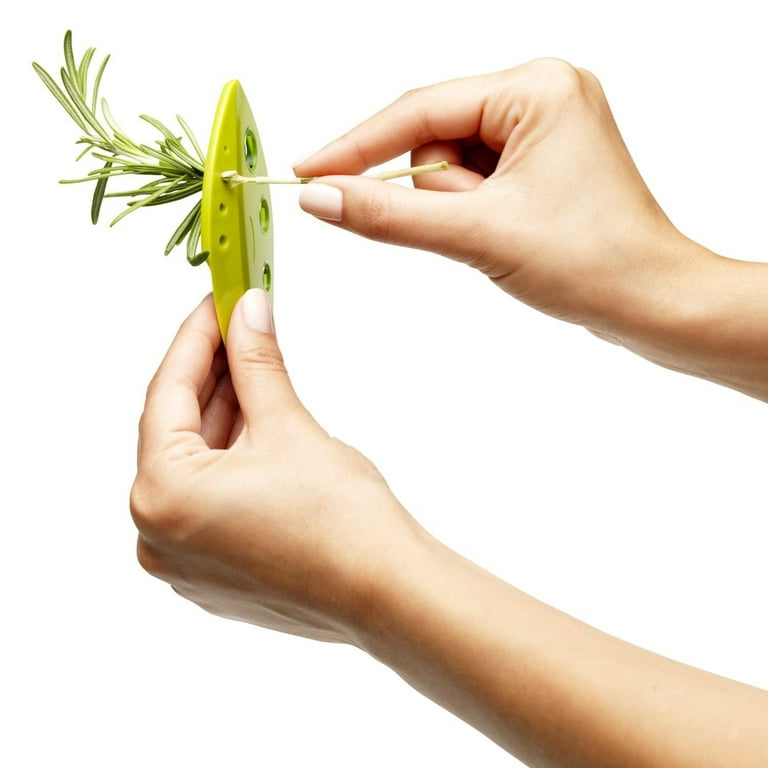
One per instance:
(451, 110)
(172, 415)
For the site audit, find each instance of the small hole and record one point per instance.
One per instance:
(264, 215)
(266, 277)
(223, 240)
(223, 207)
(251, 149)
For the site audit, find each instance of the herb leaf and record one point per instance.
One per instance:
(177, 172)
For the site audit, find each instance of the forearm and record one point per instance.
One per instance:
(548, 688)
(696, 312)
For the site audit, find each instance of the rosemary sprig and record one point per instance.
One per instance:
(176, 172)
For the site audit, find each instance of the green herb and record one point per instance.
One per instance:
(177, 173)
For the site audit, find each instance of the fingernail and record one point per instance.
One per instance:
(256, 311)
(322, 201)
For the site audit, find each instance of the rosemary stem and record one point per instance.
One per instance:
(417, 170)
(233, 178)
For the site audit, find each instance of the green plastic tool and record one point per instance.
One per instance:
(236, 226)
(233, 220)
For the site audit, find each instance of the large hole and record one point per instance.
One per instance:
(264, 215)
(251, 149)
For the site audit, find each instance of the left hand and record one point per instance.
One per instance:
(244, 504)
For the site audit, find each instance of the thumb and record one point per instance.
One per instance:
(426, 219)
(256, 365)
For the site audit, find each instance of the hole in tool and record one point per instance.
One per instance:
(266, 277)
(223, 240)
(223, 207)
(251, 149)
(264, 215)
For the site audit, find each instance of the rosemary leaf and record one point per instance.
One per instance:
(159, 125)
(194, 257)
(69, 56)
(77, 102)
(192, 140)
(136, 204)
(50, 83)
(172, 197)
(183, 229)
(97, 83)
(108, 118)
(198, 258)
(98, 193)
(82, 70)
(162, 158)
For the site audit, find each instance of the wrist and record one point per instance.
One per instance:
(374, 541)
(693, 311)
(448, 628)
(642, 284)
(380, 585)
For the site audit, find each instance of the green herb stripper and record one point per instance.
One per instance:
(236, 226)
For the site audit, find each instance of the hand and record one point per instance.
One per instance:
(243, 503)
(543, 197)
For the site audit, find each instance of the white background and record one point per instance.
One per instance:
(627, 495)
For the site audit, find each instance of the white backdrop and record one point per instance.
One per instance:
(627, 495)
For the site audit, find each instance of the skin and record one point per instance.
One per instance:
(247, 507)
(546, 200)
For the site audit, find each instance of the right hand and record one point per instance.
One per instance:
(541, 194)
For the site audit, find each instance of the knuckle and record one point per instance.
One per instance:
(157, 511)
(424, 130)
(261, 355)
(589, 77)
(143, 503)
(376, 217)
(411, 96)
(557, 77)
(359, 151)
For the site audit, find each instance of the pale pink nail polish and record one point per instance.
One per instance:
(256, 311)
(321, 200)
